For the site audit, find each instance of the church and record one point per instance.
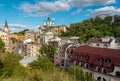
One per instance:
(5, 36)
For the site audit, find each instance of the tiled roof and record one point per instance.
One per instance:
(94, 53)
(92, 40)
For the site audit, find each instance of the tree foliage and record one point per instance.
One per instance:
(22, 32)
(94, 27)
(47, 49)
(42, 63)
(2, 45)
(79, 74)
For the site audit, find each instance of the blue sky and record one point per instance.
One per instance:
(31, 14)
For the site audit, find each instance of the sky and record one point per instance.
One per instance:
(30, 14)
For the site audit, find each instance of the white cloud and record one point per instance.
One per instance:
(20, 26)
(107, 10)
(84, 3)
(15, 27)
(44, 8)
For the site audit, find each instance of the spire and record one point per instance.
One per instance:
(6, 25)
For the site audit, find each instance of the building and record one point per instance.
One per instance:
(105, 42)
(55, 29)
(5, 36)
(49, 26)
(117, 43)
(31, 35)
(58, 29)
(32, 49)
(103, 64)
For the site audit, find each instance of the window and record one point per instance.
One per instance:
(76, 56)
(104, 79)
(108, 61)
(80, 64)
(87, 58)
(104, 70)
(99, 79)
(81, 57)
(98, 44)
(86, 65)
(98, 69)
(101, 60)
(117, 73)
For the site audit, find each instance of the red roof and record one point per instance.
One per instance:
(95, 52)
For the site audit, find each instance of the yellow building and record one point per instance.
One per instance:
(55, 29)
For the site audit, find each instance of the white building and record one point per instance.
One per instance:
(5, 36)
(105, 42)
(32, 49)
(117, 43)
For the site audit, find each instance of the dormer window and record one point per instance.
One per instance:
(81, 57)
(87, 58)
(101, 60)
(108, 61)
(76, 56)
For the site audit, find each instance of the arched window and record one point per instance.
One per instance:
(76, 56)
(98, 44)
(118, 73)
(75, 62)
(87, 58)
(104, 70)
(104, 79)
(81, 57)
(108, 61)
(80, 64)
(99, 79)
(101, 60)
(98, 69)
(86, 65)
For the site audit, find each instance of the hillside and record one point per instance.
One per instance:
(95, 27)
(40, 70)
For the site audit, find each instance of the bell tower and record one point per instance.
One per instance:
(6, 29)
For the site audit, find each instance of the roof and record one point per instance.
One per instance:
(94, 52)
(117, 40)
(6, 25)
(26, 60)
(27, 41)
(99, 51)
(33, 43)
(92, 40)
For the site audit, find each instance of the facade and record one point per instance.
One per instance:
(58, 29)
(46, 37)
(32, 49)
(49, 26)
(54, 29)
(5, 36)
(103, 64)
(106, 42)
(117, 43)
(31, 35)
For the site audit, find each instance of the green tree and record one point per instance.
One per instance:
(48, 50)
(79, 74)
(23, 31)
(10, 63)
(2, 45)
(42, 63)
